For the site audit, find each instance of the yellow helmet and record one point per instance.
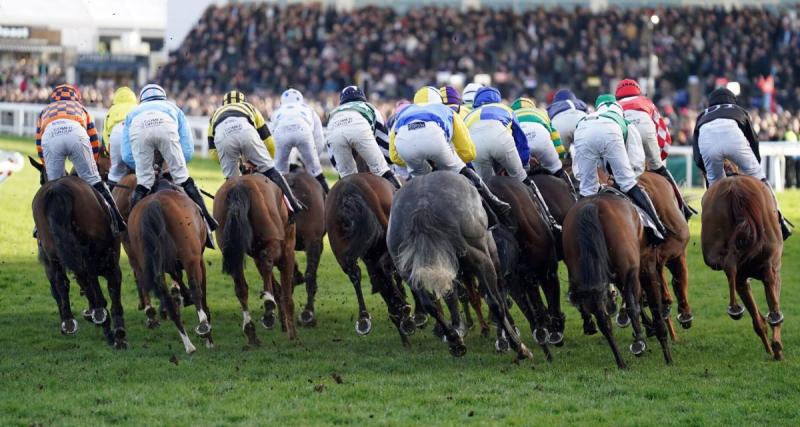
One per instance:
(233, 97)
(523, 103)
(428, 95)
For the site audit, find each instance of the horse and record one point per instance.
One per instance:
(603, 239)
(254, 221)
(437, 228)
(167, 235)
(310, 226)
(74, 234)
(741, 235)
(356, 218)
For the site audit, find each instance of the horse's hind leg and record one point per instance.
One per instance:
(632, 292)
(286, 267)
(364, 322)
(759, 323)
(652, 287)
(452, 302)
(772, 286)
(248, 327)
(313, 251)
(265, 263)
(457, 347)
(172, 311)
(552, 293)
(735, 311)
(604, 323)
(420, 315)
(59, 288)
(464, 298)
(475, 301)
(97, 302)
(399, 311)
(680, 285)
(114, 280)
(196, 276)
(589, 327)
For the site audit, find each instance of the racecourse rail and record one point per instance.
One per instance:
(19, 119)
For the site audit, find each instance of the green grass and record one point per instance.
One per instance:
(721, 374)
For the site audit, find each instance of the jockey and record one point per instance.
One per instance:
(236, 130)
(65, 130)
(640, 112)
(159, 125)
(724, 131)
(429, 131)
(122, 103)
(565, 112)
(500, 140)
(600, 139)
(357, 125)
(468, 97)
(298, 125)
(543, 140)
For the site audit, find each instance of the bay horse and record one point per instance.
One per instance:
(254, 221)
(356, 218)
(310, 226)
(167, 236)
(603, 240)
(741, 235)
(74, 235)
(437, 229)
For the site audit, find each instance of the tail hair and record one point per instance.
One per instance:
(747, 216)
(58, 205)
(238, 231)
(429, 254)
(159, 247)
(358, 222)
(594, 274)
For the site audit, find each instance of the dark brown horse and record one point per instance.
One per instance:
(603, 240)
(741, 235)
(356, 217)
(167, 236)
(254, 221)
(74, 234)
(310, 233)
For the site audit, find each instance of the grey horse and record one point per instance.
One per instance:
(437, 228)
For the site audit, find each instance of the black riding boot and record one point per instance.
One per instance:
(786, 226)
(117, 221)
(687, 210)
(642, 200)
(321, 179)
(543, 208)
(194, 194)
(561, 173)
(138, 194)
(390, 176)
(278, 179)
(500, 208)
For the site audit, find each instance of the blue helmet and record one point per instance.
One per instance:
(352, 93)
(152, 92)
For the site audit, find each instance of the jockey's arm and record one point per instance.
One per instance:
(393, 150)
(461, 140)
(125, 147)
(39, 132)
(185, 133)
(557, 144)
(91, 130)
(319, 135)
(521, 141)
(212, 147)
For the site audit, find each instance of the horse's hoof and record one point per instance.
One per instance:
(203, 329)
(120, 343)
(458, 349)
(666, 312)
(306, 318)
(777, 350)
(589, 328)
(556, 339)
(405, 311)
(407, 326)
(209, 342)
(69, 327)
(99, 316)
(638, 348)
(623, 321)
(735, 311)
(268, 320)
(269, 301)
(775, 319)
(501, 345)
(364, 326)
(540, 336)
(685, 320)
(421, 320)
(87, 314)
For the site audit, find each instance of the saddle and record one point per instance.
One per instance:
(164, 183)
(647, 221)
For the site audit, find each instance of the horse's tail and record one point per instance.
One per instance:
(746, 215)
(429, 253)
(594, 258)
(238, 232)
(159, 248)
(358, 222)
(58, 205)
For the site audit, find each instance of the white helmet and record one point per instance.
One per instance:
(291, 96)
(152, 92)
(468, 96)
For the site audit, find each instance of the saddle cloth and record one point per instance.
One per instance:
(646, 220)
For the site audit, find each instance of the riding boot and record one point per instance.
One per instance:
(321, 179)
(389, 176)
(687, 210)
(642, 200)
(278, 179)
(786, 225)
(499, 207)
(117, 221)
(543, 208)
(138, 194)
(561, 173)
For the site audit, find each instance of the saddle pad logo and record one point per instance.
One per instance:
(416, 125)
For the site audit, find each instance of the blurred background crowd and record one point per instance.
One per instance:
(263, 49)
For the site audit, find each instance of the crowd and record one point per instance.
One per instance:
(263, 48)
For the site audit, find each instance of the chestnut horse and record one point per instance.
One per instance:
(167, 235)
(74, 234)
(741, 235)
(254, 220)
(603, 241)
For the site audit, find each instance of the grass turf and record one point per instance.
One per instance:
(721, 373)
